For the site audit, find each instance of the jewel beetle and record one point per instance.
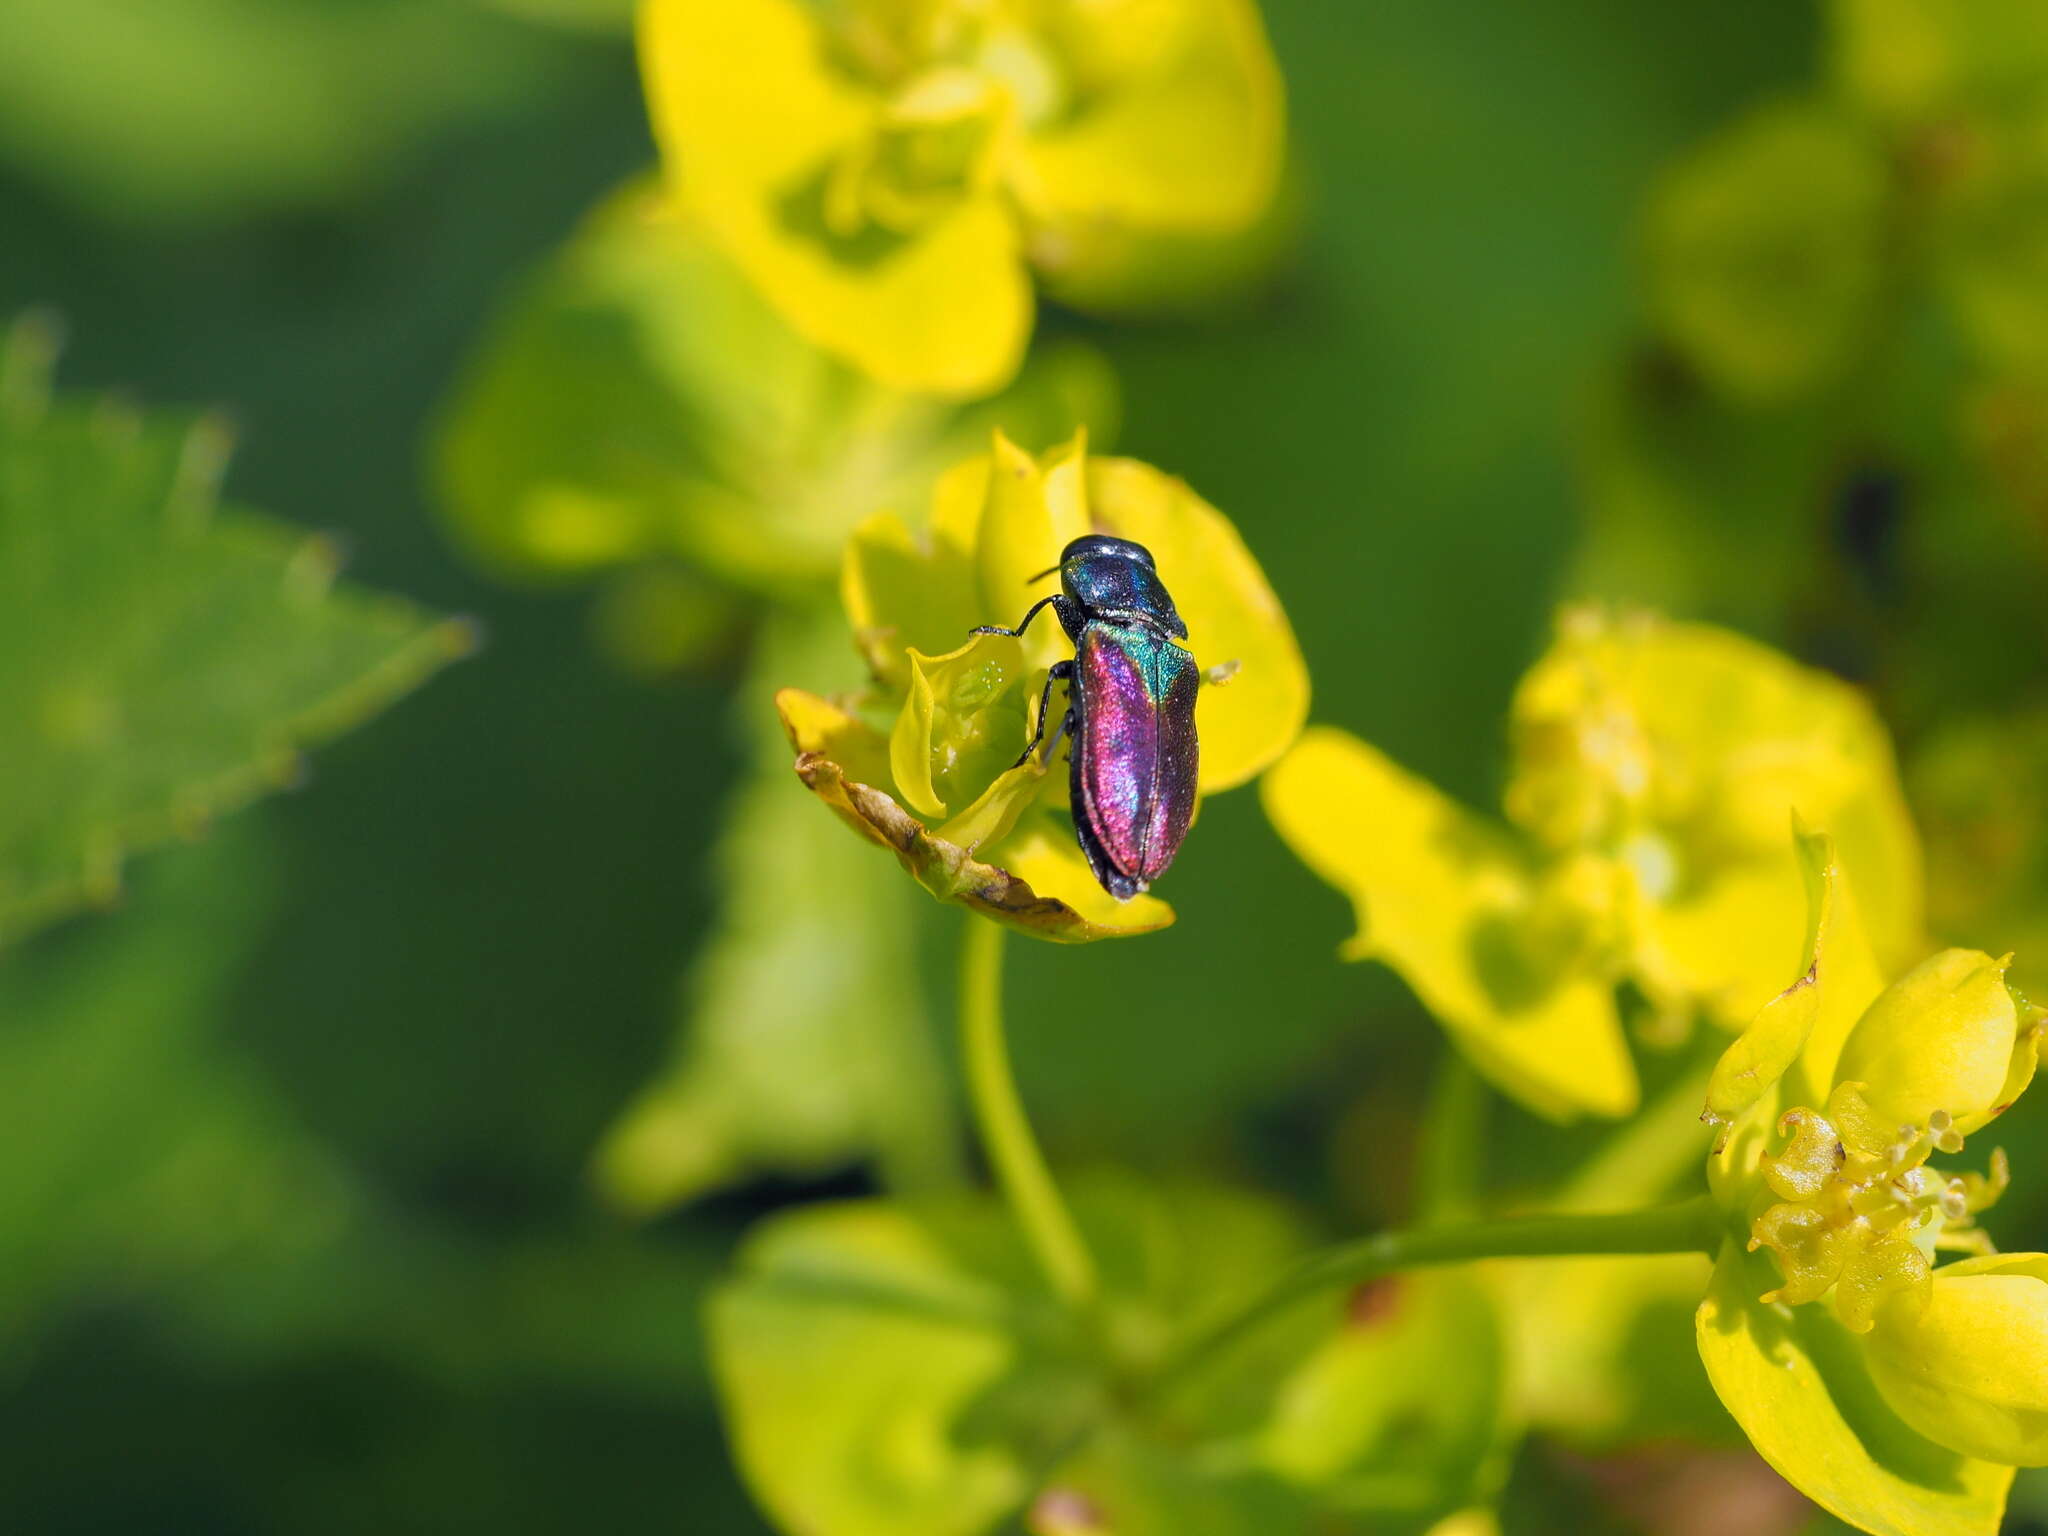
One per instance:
(1130, 709)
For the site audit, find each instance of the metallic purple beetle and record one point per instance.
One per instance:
(1130, 708)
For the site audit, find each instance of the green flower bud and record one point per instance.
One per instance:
(1940, 1038)
(1970, 1370)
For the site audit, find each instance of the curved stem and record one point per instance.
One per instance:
(1005, 1132)
(1691, 1227)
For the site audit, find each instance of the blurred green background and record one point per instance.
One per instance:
(297, 1231)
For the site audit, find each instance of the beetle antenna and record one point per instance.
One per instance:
(1050, 570)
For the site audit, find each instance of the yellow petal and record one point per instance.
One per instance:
(1970, 1370)
(1045, 855)
(991, 816)
(1193, 139)
(1941, 1037)
(905, 591)
(1716, 946)
(1439, 894)
(963, 722)
(1798, 1034)
(945, 309)
(816, 725)
(1033, 509)
(1633, 734)
(1231, 611)
(916, 587)
(1797, 1383)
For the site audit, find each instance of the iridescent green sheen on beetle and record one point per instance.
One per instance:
(1130, 709)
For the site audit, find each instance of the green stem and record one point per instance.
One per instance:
(1005, 1132)
(1450, 1166)
(1691, 1227)
(1643, 1159)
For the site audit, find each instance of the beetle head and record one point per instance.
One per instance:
(1113, 578)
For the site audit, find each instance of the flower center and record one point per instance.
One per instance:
(1859, 1211)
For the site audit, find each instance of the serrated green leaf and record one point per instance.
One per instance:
(165, 661)
(138, 1147)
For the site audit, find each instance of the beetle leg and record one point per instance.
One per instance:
(1057, 602)
(1058, 672)
(1066, 728)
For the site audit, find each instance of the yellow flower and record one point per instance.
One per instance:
(937, 787)
(884, 170)
(638, 406)
(1883, 1402)
(1969, 1368)
(1655, 768)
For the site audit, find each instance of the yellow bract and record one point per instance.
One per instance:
(1969, 1369)
(1941, 1040)
(1444, 897)
(1680, 751)
(1656, 767)
(883, 172)
(963, 709)
(1893, 1406)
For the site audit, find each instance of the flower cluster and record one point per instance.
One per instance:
(1653, 767)
(942, 786)
(920, 156)
(1897, 1393)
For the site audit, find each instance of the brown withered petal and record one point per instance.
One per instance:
(833, 746)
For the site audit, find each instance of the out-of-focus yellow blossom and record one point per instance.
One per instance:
(936, 786)
(1920, 60)
(1655, 767)
(887, 172)
(1896, 1395)
(639, 407)
(1765, 250)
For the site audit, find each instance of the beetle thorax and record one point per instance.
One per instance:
(1116, 588)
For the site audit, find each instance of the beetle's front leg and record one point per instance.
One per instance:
(1058, 672)
(1057, 602)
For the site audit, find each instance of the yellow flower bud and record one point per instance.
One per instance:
(1940, 1038)
(1970, 1370)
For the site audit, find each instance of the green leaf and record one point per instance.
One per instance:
(1127, 1484)
(1796, 1381)
(637, 398)
(1401, 1414)
(899, 1370)
(903, 1369)
(138, 1147)
(186, 110)
(803, 1044)
(165, 660)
